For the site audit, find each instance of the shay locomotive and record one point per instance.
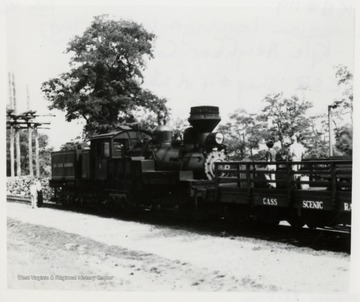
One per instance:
(132, 169)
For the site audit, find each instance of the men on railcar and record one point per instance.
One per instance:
(271, 157)
(282, 156)
(297, 151)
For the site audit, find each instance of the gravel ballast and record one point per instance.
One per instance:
(139, 256)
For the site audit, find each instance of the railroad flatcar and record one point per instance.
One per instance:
(318, 194)
(132, 169)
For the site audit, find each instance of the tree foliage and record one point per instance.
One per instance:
(179, 126)
(104, 83)
(286, 116)
(344, 138)
(345, 79)
(280, 118)
(316, 142)
(243, 134)
(342, 112)
(74, 144)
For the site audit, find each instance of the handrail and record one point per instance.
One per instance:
(331, 174)
(304, 162)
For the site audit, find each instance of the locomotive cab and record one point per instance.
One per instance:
(111, 152)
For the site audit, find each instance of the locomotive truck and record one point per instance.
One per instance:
(131, 169)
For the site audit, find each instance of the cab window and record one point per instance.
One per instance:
(106, 149)
(119, 147)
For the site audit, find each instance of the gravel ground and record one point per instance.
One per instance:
(95, 253)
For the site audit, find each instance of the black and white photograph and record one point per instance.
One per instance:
(180, 147)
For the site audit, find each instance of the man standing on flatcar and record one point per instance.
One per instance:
(297, 151)
(271, 157)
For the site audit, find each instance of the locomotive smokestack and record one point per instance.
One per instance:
(204, 119)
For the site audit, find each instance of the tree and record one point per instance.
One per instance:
(179, 126)
(286, 116)
(74, 144)
(243, 134)
(104, 83)
(342, 112)
(147, 119)
(344, 78)
(316, 142)
(344, 137)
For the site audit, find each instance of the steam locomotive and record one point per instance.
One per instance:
(135, 169)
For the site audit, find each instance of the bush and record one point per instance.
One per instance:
(21, 186)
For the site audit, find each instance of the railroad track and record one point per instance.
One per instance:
(332, 239)
(18, 198)
(27, 200)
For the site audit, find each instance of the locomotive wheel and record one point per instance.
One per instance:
(270, 224)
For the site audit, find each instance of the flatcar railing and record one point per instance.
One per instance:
(332, 176)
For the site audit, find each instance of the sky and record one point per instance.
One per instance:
(226, 56)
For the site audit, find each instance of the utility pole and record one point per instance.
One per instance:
(31, 170)
(27, 121)
(12, 133)
(17, 132)
(16, 122)
(331, 152)
(37, 153)
(17, 147)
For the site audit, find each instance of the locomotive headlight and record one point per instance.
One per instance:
(219, 138)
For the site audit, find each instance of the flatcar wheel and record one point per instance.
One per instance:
(273, 224)
(268, 223)
(296, 223)
(311, 225)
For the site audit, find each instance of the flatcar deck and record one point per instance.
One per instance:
(311, 188)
